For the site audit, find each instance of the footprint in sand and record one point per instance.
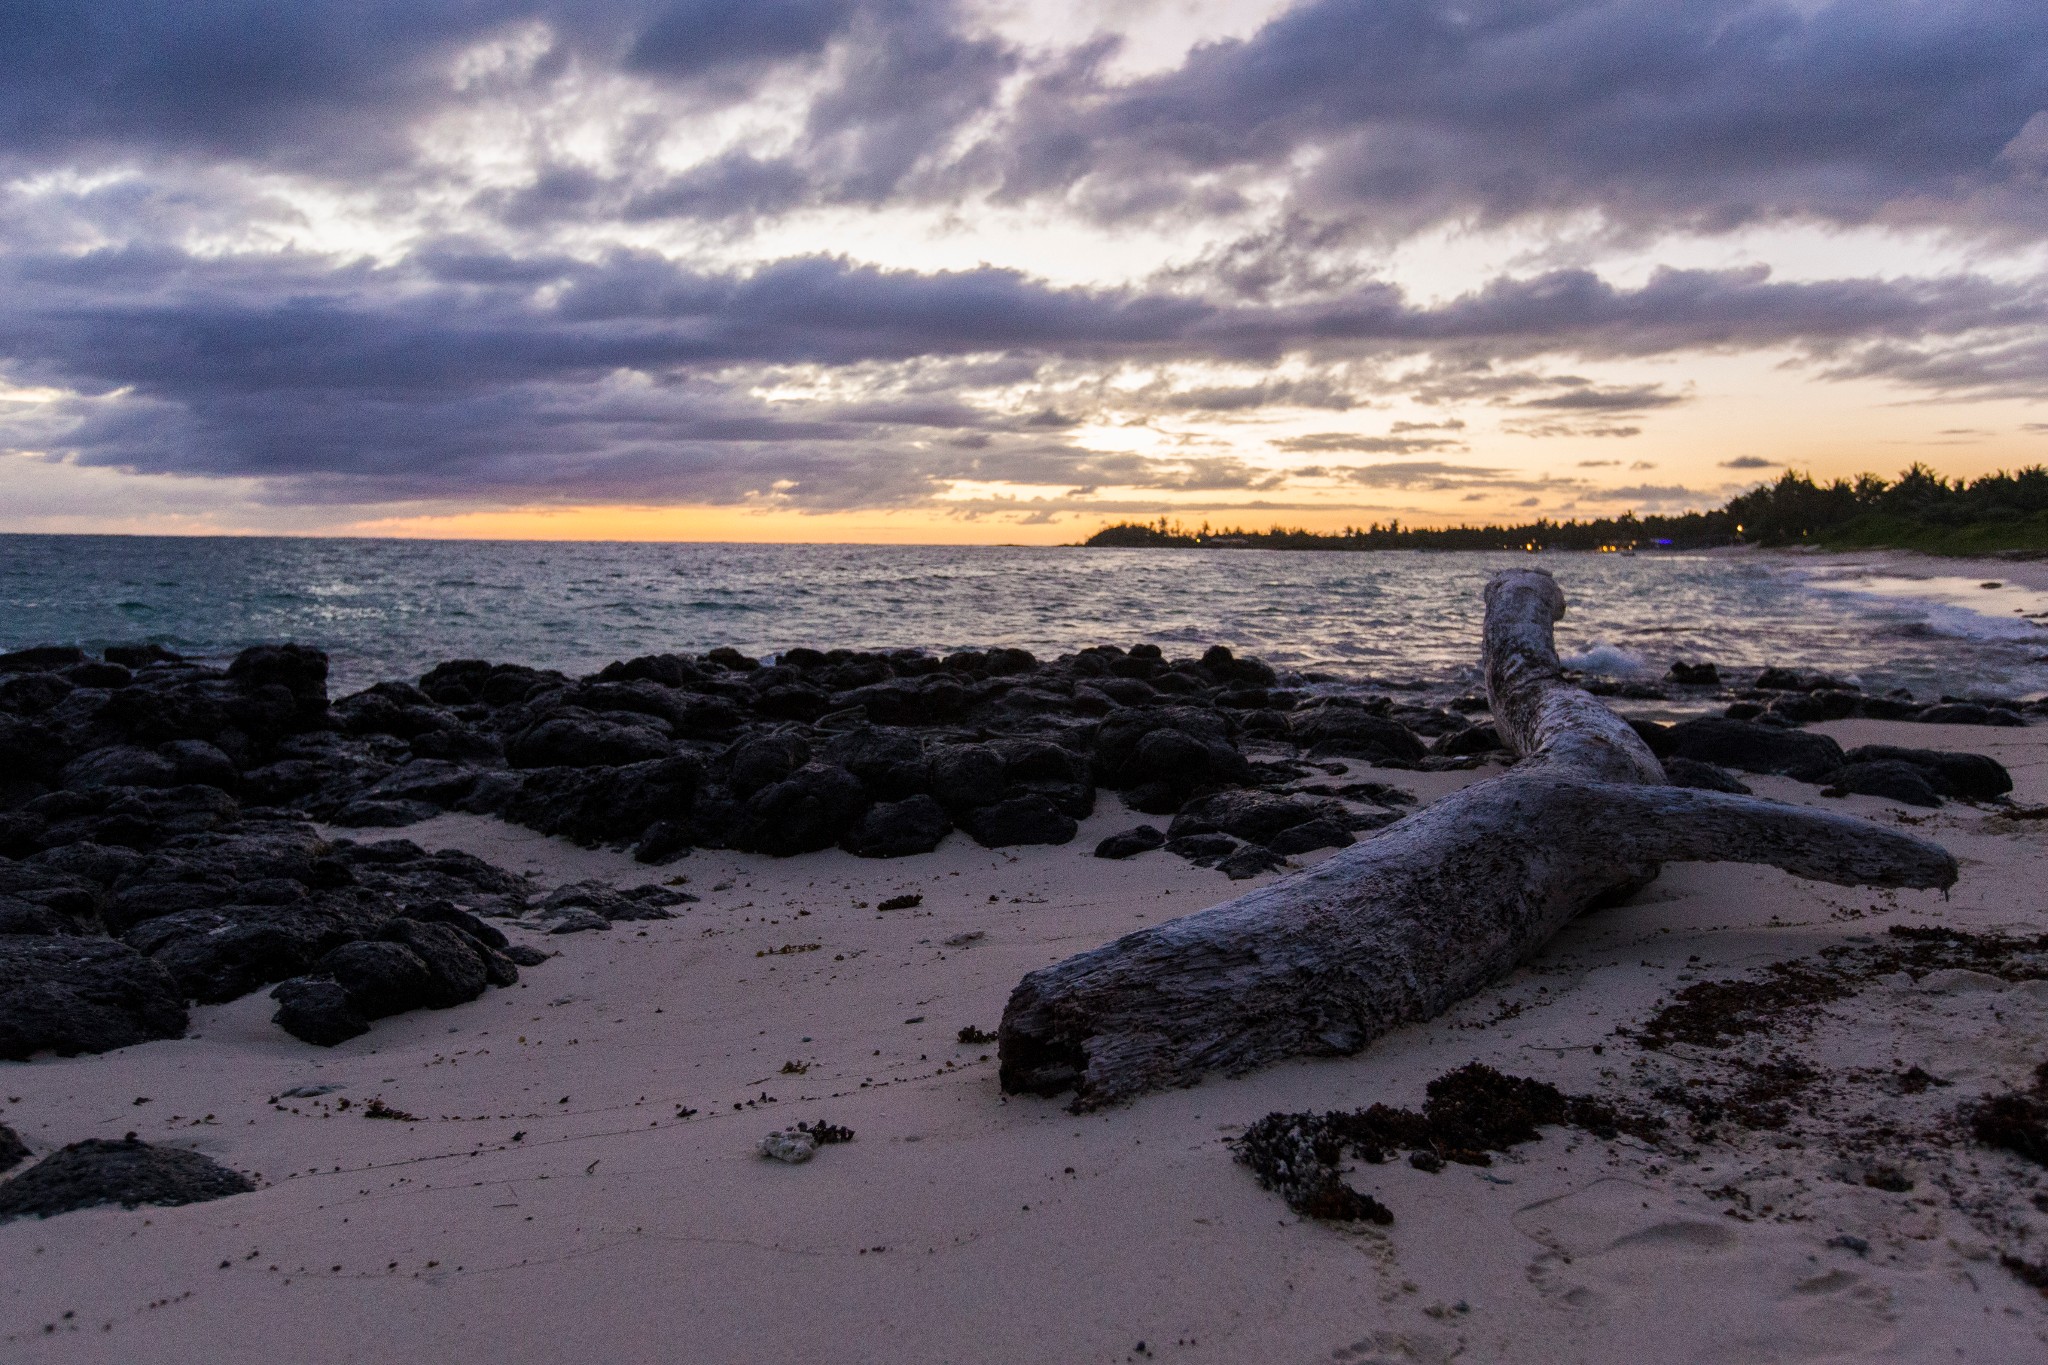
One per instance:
(1399, 1348)
(1640, 1271)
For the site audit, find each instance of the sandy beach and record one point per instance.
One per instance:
(579, 1177)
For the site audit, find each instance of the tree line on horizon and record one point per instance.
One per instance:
(1920, 510)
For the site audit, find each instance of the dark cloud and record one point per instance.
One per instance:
(1749, 462)
(1710, 114)
(692, 38)
(305, 84)
(461, 371)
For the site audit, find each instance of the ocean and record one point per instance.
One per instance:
(392, 608)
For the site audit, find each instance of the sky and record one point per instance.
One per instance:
(1004, 271)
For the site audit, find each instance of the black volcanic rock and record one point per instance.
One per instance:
(1689, 772)
(380, 978)
(1968, 713)
(1029, 819)
(13, 1151)
(898, 829)
(964, 776)
(1883, 777)
(1311, 835)
(41, 659)
(810, 809)
(1749, 746)
(70, 995)
(1253, 816)
(1968, 777)
(584, 741)
(317, 1010)
(129, 1172)
(1131, 842)
(1353, 732)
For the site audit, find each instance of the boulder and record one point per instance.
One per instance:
(585, 742)
(1473, 739)
(317, 1010)
(889, 763)
(41, 659)
(1750, 747)
(1253, 816)
(1968, 777)
(964, 776)
(1226, 668)
(19, 916)
(1968, 713)
(1688, 772)
(119, 765)
(1883, 777)
(13, 1151)
(129, 1172)
(1029, 819)
(594, 805)
(763, 761)
(1250, 861)
(380, 977)
(31, 694)
(224, 951)
(1203, 850)
(1131, 842)
(808, 810)
(1026, 759)
(299, 669)
(1159, 756)
(615, 903)
(198, 763)
(1824, 703)
(1309, 836)
(1352, 732)
(898, 829)
(457, 966)
(371, 813)
(70, 995)
(1694, 675)
(436, 781)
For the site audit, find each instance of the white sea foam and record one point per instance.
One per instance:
(1607, 659)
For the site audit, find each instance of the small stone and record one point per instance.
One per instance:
(788, 1146)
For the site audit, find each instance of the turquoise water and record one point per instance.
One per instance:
(391, 608)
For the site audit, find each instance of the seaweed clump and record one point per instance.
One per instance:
(1712, 1014)
(826, 1134)
(2016, 1121)
(1469, 1114)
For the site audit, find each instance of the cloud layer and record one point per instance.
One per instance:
(515, 252)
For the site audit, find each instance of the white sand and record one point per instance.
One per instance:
(964, 1226)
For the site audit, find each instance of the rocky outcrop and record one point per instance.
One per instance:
(128, 1172)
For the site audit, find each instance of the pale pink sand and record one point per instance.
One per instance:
(964, 1226)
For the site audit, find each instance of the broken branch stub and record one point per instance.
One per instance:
(1431, 909)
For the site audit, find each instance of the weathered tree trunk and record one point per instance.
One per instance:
(1429, 910)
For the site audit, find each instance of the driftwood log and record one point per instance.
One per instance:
(1432, 909)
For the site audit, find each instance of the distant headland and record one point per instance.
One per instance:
(1920, 510)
